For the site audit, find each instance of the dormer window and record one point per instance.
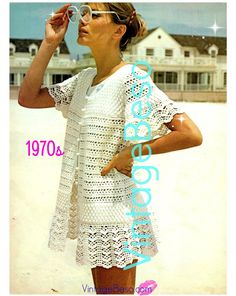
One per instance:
(12, 49)
(56, 52)
(33, 49)
(213, 51)
(11, 52)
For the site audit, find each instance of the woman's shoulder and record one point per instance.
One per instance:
(135, 71)
(88, 71)
(133, 74)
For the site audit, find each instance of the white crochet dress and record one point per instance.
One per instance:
(97, 219)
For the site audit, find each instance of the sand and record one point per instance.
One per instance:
(189, 198)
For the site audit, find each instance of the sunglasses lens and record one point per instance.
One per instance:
(85, 13)
(72, 14)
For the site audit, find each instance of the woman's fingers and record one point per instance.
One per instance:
(60, 14)
(129, 165)
(126, 172)
(58, 19)
(63, 9)
(57, 15)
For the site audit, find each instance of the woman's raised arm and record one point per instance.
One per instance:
(31, 95)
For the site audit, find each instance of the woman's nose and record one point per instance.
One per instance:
(82, 21)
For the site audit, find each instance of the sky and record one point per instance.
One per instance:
(27, 20)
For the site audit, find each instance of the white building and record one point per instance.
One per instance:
(186, 67)
(22, 52)
(183, 62)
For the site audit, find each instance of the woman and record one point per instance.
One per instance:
(94, 196)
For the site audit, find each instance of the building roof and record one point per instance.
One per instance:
(202, 43)
(22, 45)
(136, 40)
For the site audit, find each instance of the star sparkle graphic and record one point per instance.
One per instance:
(215, 27)
(52, 14)
(180, 118)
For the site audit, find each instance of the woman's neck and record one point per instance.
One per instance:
(107, 71)
(107, 63)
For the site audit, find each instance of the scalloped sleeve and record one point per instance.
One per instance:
(144, 99)
(62, 93)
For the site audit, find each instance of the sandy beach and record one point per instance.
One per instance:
(189, 198)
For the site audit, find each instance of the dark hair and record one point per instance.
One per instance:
(135, 24)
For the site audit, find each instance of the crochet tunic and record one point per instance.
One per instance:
(100, 217)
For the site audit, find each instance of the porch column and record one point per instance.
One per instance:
(47, 80)
(18, 82)
(181, 80)
(213, 81)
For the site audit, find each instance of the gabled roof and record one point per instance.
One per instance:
(138, 39)
(22, 45)
(202, 43)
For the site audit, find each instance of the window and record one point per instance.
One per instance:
(213, 53)
(11, 51)
(165, 77)
(12, 78)
(22, 75)
(202, 78)
(225, 78)
(149, 51)
(56, 52)
(159, 77)
(57, 78)
(169, 52)
(192, 78)
(33, 51)
(171, 77)
(186, 54)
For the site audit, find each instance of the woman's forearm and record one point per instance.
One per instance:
(34, 76)
(55, 30)
(171, 142)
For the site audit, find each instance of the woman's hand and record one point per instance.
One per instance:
(122, 161)
(56, 26)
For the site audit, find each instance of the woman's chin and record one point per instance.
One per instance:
(81, 41)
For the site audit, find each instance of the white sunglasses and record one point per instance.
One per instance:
(86, 14)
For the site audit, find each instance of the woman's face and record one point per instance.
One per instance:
(100, 31)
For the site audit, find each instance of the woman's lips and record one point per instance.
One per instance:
(83, 32)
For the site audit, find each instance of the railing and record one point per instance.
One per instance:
(90, 62)
(54, 63)
(155, 61)
(169, 86)
(171, 61)
(198, 87)
(87, 62)
(177, 87)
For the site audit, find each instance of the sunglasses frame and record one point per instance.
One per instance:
(78, 14)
